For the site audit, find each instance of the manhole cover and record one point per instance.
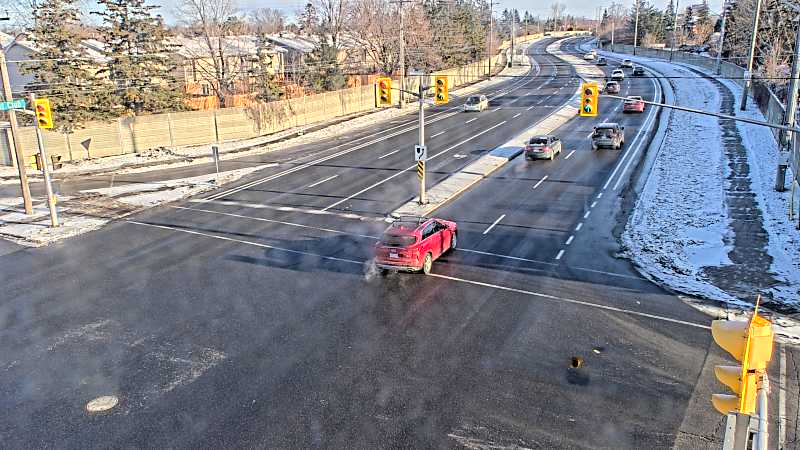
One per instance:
(101, 404)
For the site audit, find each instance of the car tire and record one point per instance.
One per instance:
(552, 155)
(454, 241)
(383, 272)
(427, 264)
(594, 147)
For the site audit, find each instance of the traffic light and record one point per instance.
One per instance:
(384, 91)
(589, 96)
(44, 117)
(440, 90)
(750, 342)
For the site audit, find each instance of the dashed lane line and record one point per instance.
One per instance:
(570, 154)
(578, 228)
(538, 183)
(560, 254)
(389, 154)
(323, 181)
(438, 134)
(569, 240)
(487, 230)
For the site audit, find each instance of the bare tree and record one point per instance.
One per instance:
(557, 9)
(266, 21)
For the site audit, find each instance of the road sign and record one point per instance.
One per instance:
(420, 169)
(14, 104)
(420, 153)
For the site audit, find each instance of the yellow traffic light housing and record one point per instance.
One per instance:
(750, 342)
(383, 92)
(440, 90)
(44, 117)
(589, 98)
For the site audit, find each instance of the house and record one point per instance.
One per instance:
(205, 64)
(297, 47)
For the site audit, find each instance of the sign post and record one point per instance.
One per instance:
(215, 154)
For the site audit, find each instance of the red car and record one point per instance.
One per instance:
(411, 244)
(633, 104)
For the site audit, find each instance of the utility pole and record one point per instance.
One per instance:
(400, 5)
(18, 152)
(513, 32)
(51, 200)
(636, 27)
(721, 36)
(790, 114)
(491, 33)
(613, 25)
(749, 74)
(674, 29)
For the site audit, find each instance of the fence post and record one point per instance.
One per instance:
(171, 133)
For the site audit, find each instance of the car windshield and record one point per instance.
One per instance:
(397, 240)
(604, 132)
(538, 140)
(473, 100)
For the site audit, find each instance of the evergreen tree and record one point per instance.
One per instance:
(62, 68)
(688, 22)
(702, 14)
(266, 86)
(669, 16)
(308, 19)
(138, 60)
(323, 72)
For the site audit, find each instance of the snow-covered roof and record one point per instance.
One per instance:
(197, 47)
(292, 41)
(5, 39)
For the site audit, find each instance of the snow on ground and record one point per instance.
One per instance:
(680, 220)
(92, 209)
(184, 156)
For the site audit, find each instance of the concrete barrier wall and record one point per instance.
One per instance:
(141, 133)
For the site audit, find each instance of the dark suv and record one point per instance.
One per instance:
(609, 134)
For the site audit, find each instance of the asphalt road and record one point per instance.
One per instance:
(249, 318)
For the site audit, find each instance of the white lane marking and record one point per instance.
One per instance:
(573, 301)
(529, 108)
(578, 228)
(600, 195)
(570, 154)
(291, 209)
(782, 400)
(242, 241)
(497, 109)
(280, 222)
(540, 181)
(402, 171)
(645, 125)
(516, 115)
(471, 120)
(389, 154)
(437, 134)
(560, 254)
(585, 216)
(569, 240)
(588, 136)
(322, 181)
(594, 203)
(486, 231)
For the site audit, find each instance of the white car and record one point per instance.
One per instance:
(476, 103)
(588, 56)
(617, 75)
(627, 63)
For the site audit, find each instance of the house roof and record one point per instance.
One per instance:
(197, 47)
(292, 41)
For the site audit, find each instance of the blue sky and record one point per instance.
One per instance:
(574, 7)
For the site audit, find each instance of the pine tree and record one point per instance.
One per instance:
(308, 19)
(62, 69)
(669, 16)
(323, 72)
(138, 60)
(688, 22)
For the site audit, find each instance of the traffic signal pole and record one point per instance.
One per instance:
(18, 152)
(51, 201)
(422, 195)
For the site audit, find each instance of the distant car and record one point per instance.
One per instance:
(608, 134)
(412, 244)
(543, 146)
(588, 56)
(627, 63)
(476, 103)
(601, 61)
(638, 71)
(612, 87)
(617, 75)
(633, 103)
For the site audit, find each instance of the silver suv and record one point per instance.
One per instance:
(609, 134)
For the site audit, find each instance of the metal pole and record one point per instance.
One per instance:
(613, 25)
(18, 152)
(750, 58)
(636, 27)
(422, 196)
(790, 115)
(721, 37)
(511, 63)
(51, 200)
(761, 439)
(402, 57)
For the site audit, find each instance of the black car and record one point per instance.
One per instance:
(601, 61)
(638, 71)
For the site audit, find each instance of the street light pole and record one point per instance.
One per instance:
(491, 33)
(636, 27)
(674, 29)
(790, 114)
(422, 195)
(749, 75)
(721, 36)
(18, 152)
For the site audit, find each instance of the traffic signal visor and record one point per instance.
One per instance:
(589, 98)
(44, 117)
(441, 95)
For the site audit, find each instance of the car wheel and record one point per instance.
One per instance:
(427, 264)
(594, 147)
(383, 272)
(552, 155)
(453, 242)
